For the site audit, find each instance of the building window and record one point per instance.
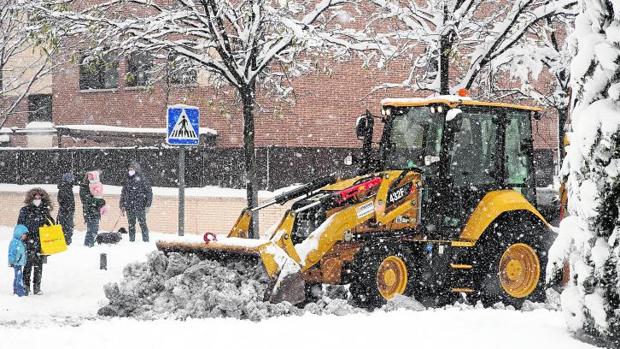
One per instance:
(139, 67)
(98, 73)
(40, 108)
(180, 71)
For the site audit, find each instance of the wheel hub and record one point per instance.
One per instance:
(519, 270)
(514, 270)
(392, 277)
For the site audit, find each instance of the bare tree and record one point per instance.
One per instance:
(248, 44)
(459, 38)
(546, 54)
(24, 54)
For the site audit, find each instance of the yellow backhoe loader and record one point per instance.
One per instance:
(442, 208)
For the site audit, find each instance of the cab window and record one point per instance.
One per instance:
(473, 154)
(518, 159)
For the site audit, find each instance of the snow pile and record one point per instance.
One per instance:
(181, 286)
(403, 302)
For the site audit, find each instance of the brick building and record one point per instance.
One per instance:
(322, 114)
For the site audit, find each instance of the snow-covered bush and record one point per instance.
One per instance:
(590, 239)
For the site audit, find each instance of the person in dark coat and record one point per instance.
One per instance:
(91, 207)
(34, 215)
(136, 199)
(66, 206)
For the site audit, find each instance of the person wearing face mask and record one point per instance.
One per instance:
(34, 214)
(136, 199)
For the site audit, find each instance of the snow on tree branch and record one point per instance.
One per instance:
(237, 40)
(460, 38)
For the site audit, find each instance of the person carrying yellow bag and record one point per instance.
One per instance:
(34, 215)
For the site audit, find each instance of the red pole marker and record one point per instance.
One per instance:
(209, 237)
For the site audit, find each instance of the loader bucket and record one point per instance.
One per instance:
(287, 283)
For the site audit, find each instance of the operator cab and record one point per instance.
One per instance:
(463, 148)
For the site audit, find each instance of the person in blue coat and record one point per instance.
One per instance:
(17, 258)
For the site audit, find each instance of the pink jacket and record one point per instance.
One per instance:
(94, 184)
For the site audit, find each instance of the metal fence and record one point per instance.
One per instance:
(276, 167)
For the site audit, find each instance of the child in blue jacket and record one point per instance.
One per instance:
(17, 258)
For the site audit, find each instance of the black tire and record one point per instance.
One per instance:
(364, 288)
(520, 234)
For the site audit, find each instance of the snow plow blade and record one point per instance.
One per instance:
(205, 250)
(289, 287)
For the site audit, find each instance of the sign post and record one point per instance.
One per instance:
(181, 190)
(183, 126)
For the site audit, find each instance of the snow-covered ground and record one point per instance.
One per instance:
(65, 317)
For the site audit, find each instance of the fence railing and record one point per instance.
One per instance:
(276, 167)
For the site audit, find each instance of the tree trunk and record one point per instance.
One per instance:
(248, 97)
(444, 66)
(444, 58)
(562, 118)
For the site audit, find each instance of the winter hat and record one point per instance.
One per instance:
(68, 177)
(135, 165)
(93, 176)
(19, 230)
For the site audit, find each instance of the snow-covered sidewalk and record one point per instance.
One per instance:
(65, 317)
(72, 283)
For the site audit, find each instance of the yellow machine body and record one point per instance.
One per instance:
(371, 207)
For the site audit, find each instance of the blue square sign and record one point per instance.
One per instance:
(183, 125)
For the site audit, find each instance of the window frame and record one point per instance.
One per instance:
(528, 143)
(34, 115)
(497, 173)
(96, 75)
(139, 69)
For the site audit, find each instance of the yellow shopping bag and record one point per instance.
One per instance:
(52, 239)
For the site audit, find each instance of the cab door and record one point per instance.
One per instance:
(519, 155)
(473, 167)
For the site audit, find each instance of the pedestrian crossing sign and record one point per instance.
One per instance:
(183, 125)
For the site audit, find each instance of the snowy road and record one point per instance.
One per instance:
(64, 317)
